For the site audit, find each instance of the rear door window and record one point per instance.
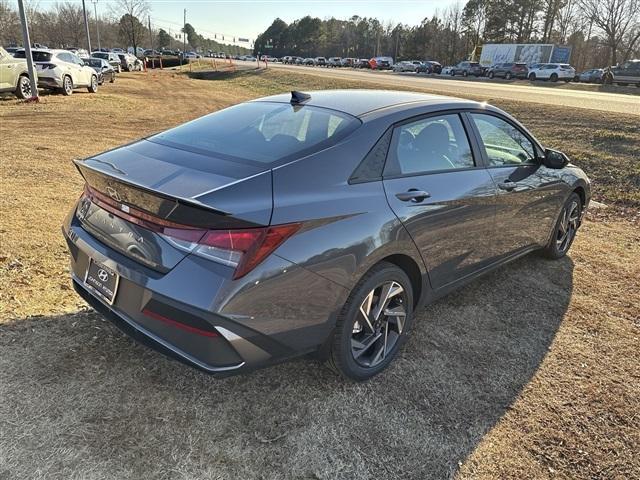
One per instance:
(428, 145)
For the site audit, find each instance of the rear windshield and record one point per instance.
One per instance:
(37, 56)
(94, 62)
(261, 132)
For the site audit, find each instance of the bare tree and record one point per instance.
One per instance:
(131, 21)
(619, 20)
(10, 31)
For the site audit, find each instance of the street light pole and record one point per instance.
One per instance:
(86, 25)
(95, 11)
(27, 51)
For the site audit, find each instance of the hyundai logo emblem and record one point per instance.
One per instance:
(103, 275)
(114, 194)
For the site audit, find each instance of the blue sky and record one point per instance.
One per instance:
(248, 18)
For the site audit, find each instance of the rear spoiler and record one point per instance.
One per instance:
(185, 211)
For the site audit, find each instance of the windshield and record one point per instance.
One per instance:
(94, 62)
(37, 56)
(261, 132)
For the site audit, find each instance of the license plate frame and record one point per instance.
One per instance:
(105, 288)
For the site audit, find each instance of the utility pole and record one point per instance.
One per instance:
(86, 25)
(184, 33)
(95, 11)
(150, 35)
(27, 51)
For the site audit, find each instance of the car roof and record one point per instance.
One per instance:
(361, 102)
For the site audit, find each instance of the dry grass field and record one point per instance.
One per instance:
(531, 372)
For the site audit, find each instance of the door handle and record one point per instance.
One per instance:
(413, 195)
(507, 185)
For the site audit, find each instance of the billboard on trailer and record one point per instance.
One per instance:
(526, 53)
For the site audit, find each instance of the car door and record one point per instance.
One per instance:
(442, 194)
(84, 72)
(67, 64)
(7, 71)
(529, 194)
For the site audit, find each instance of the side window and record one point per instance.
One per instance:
(504, 143)
(428, 145)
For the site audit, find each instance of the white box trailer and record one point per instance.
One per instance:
(493, 53)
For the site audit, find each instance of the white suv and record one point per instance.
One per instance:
(63, 70)
(553, 72)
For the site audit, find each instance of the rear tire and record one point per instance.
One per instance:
(564, 231)
(23, 90)
(67, 86)
(490, 75)
(363, 346)
(507, 76)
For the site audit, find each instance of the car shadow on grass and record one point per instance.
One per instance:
(79, 399)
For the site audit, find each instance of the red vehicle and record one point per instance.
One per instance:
(381, 63)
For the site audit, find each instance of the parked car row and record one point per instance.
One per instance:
(61, 70)
(418, 66)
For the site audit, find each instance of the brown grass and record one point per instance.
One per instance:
(538, 379)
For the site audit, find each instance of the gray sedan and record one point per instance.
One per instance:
(312, 223)
(591, 76)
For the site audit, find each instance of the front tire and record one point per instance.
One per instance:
(564, 231)
(23, 90)
(554, 77)
(93, 86)
(507, 76)
(373, 323)
(532, 77)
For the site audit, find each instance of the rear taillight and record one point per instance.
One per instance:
(245, 248)
(47, 66)
(242, 249)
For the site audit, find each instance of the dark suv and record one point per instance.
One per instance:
(467, 68)
(508, 70)
(626, 74)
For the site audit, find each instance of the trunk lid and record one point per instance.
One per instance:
(143, 184)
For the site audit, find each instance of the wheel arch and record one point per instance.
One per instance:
(409, 266)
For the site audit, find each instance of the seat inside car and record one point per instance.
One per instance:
(430, 149)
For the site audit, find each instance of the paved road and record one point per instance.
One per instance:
(608, 102)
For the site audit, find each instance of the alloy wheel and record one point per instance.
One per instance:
(68, 87)
(568, 226)
(25, 87)
(379, 324)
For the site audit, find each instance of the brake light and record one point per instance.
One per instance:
(242, 248)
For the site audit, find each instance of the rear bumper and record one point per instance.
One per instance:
(49, 82)
(198, 314)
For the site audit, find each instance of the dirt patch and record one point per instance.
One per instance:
(531, 372)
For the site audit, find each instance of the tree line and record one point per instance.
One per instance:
(600, 32)
(126, 25)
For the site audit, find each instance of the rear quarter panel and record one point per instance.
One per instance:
(348, 228)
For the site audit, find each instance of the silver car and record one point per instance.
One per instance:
(62, 70)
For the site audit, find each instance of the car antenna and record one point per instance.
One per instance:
(299, 97)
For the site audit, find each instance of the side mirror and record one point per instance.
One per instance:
(555, 159)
